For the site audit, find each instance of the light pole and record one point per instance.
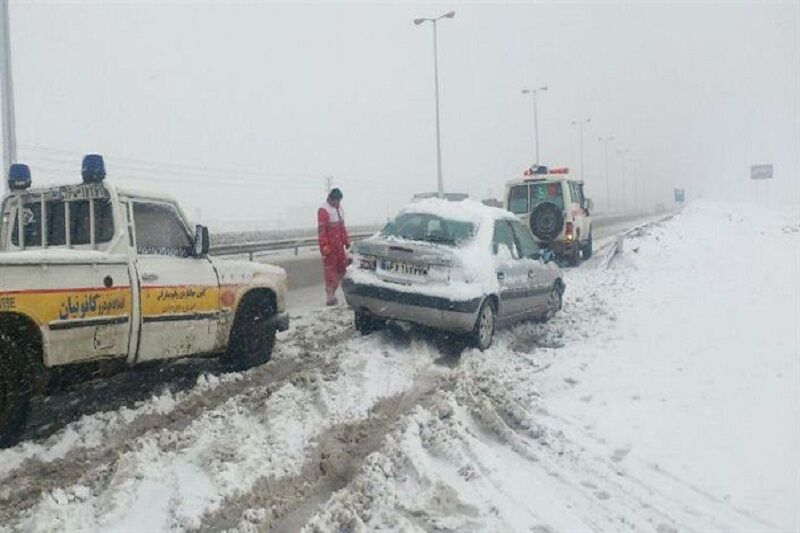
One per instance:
(622, 152)
(605, 141)
(535, 118)
(433, 21)
(7, 131)
(580, 124)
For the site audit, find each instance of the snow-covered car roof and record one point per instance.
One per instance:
(464, 210)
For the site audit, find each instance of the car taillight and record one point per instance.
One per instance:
(568, 231)
(367, 263)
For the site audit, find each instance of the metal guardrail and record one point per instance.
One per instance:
(616, 247)
(252, 248)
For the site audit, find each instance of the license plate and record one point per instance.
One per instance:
(406, 269)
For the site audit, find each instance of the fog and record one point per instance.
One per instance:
(242, 110)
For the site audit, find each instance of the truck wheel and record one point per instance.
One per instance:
(15, 391)
(483, 333)
(587, 248)
(574, 258)
(252, 337)
(365, 323)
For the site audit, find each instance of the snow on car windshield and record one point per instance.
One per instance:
(429, 228)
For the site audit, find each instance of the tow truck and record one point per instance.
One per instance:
(102, 278)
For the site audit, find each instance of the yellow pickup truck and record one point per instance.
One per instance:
(97, 276)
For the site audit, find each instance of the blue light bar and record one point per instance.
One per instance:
(19, 177)
(93, 169)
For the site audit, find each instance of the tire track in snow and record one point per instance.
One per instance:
(286, 504)
(23, 485)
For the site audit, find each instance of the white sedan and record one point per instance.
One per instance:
(456, 266)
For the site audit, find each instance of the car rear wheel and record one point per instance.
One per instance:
(252, 336)
(483, 333)
(15, 391)
(365, 323)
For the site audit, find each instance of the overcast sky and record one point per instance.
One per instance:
(242, 109)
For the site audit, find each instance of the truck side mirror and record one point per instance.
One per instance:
(202, 241)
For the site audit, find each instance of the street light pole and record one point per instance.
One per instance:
(433, 21)
(535, 119)
(7, 130)
(624, 199)
(605, 141)
(580, 124)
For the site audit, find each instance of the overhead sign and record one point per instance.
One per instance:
(761, 172)
(680, 195)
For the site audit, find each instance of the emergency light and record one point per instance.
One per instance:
(536, 170)
(19, 177)
(562, 170)
(93, 169)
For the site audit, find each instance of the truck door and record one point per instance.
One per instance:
(178, 292)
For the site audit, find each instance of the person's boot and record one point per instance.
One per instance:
(330, 298)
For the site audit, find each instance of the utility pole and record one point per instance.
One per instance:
(7, 131)
(580, 124)
(605, 141)
(433, 21)
(535, 119)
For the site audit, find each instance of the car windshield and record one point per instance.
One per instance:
(429, 228)
(546, 192)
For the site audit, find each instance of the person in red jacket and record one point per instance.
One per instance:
(333, 240)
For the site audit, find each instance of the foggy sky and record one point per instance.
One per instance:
(241, 110)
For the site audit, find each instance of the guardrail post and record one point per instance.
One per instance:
(296, 250)
(251, 256)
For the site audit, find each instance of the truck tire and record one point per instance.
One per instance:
(15, 390)
(547, 221)
(252, 336)
(574, 258)
(587, 248)
(482, 334)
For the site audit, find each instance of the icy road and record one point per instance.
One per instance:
(665, 397)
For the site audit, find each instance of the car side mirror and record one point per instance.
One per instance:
(202, 241)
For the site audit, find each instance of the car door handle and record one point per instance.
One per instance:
(149, 276)
(501, 276)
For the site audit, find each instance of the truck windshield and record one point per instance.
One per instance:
(429, 228)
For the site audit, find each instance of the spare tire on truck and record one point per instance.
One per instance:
(547, 221)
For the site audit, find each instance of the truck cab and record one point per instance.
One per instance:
(92, 273)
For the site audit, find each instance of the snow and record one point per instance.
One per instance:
(473, 273)
(664, 397)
